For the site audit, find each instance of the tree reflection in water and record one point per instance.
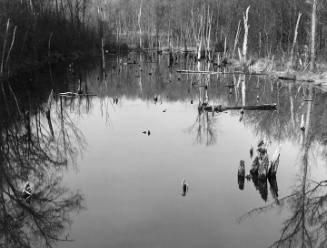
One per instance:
(307, 224)
(204, 125)
(29, 152)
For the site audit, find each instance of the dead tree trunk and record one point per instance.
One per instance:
(4, 48)
(295, 37)
(246, 32)
(236, 38)
(313, 35)
(101, 31)
(139, 23)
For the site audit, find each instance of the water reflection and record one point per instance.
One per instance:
(38, 148)
(306, 225)
(296, 104)
(33, 158)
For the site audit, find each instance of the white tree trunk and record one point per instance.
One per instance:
(139, 23)
(246, 32)
(313, 34)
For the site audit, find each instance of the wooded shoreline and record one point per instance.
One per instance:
(35, 33)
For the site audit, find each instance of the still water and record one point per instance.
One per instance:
(110, 172)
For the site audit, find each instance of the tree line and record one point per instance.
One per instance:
(272, 23)
(38, 29)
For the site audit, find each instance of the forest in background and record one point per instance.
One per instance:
(35, 31)
(271, 23)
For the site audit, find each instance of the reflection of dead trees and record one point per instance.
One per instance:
(205, 122)
(47, 113)
(29, 153)
(44, 220)
(68, 133)
(240, 181)
(273, 188)
(204, 126)
(307, 224)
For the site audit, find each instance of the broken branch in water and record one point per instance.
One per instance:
(220, 108)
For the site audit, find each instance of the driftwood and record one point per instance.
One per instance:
(220, 108)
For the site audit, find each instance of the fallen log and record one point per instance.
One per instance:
(220, 108)
(315, 79)
(219, 72)
(296, 79)
(74, 94)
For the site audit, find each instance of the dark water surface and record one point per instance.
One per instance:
(99, 181)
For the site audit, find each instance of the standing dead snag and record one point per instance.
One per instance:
(295, 37)
(139, 23)
(236, 38)
(313, 35)
(101, 30)
(208, 35)
(246, 32)
(4, 47)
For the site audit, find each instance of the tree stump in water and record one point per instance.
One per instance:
(241, 175)
(241, 169)
(240, 181)
(255, 165)
(263, 166)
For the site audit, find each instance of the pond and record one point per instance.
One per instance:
(107, 167)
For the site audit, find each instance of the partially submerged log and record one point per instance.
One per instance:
(74, 94)
(220, 72)
(316, 79)
(266, 69)
(220, 108)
